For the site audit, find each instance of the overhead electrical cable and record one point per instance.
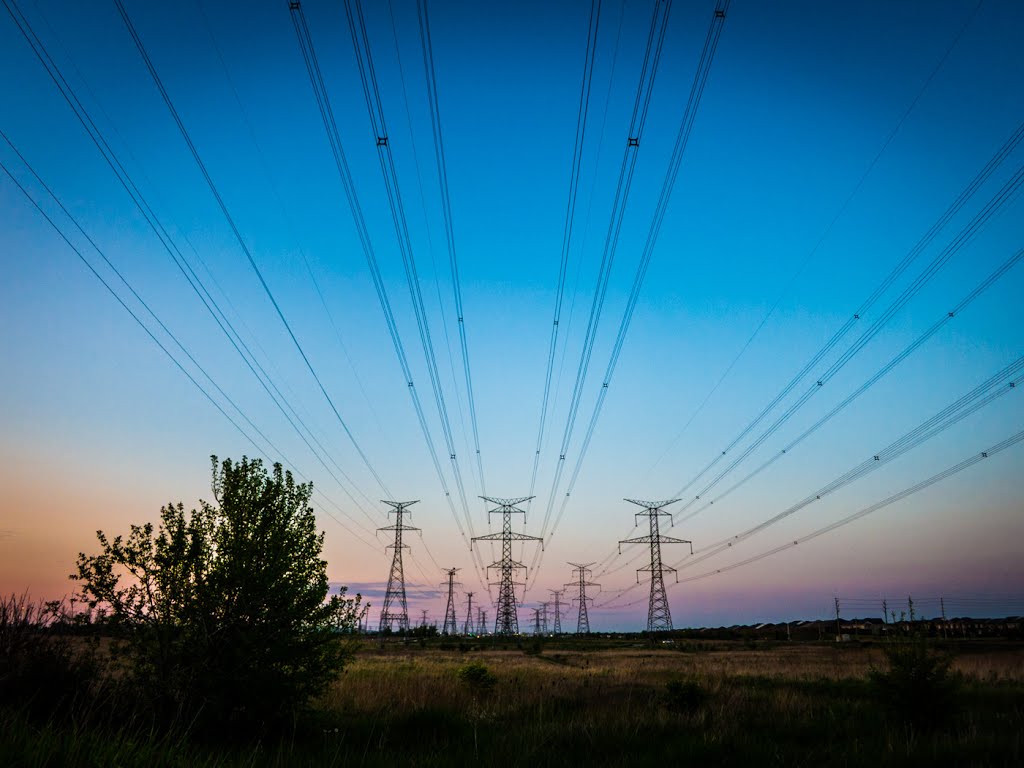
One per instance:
(1007, 380)
(241, 241)
(966, 234)
(825, 232)
(341, 163)
(375, 110)
(638, 119)
(289, 221)
(449, 227)
(570, 213)
(169, 245)
(668, 184)
(977, 458)
(947, 317)
(152, 336)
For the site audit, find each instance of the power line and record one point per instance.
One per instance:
(341, 163)
(871, 381)
(570, 212)
(824, 234)
(652, 56)
(177, 363)
(238, 236)
(289, 222)
(442, 174)
(968, 232)
(980, 396)
(135, 194)
(983, 394)
(668, 184)
(936, 478)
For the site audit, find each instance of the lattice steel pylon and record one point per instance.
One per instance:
(395, 593)
(451, 624)
(481, 621)
(557, 624)
(581, 571)
(659, 617)
(467, 628)
(506, 622)
(536, 622)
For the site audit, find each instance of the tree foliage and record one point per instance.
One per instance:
(225, 610)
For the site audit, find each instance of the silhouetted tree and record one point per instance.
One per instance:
(225, 610)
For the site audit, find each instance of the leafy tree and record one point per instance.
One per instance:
(224, 610)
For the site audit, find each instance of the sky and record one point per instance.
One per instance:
(827, 142)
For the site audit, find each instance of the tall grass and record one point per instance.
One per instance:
(714, 705)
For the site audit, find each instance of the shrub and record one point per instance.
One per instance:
(918, 686)
(224, 611)
(685, 696)
(477, 677)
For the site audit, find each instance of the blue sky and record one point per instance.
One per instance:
(99, 429)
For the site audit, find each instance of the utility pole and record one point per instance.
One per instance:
(557, 593)
(507, 620)
(395, 606)
(885, 609)
(659, 617)
(467, 629)
(580, 572)
(450, 622)
(839, 635)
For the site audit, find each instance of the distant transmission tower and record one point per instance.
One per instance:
(659, 618)
(481, 623)
(544, 616)
(507, 620)
(423, 618)
(581, 571)
(557, 594)
(450, 622)
(395, 606)
(536, 621)
(467, 628)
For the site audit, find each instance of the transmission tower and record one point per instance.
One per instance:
(659, 618)
(536, 621)
(507, 620)
(557, 594)
(580, 572)
(467, 628)
(395, 606)
(544, 616)
(450, 622)
(481, 623)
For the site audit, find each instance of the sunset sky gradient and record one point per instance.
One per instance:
(98, 429)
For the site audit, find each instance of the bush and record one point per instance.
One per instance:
(918, 686)
(477, 677)
(685, 696)
(224, 611)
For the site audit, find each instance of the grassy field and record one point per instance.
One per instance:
(627, 704)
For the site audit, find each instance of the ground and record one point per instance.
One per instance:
(614, 702)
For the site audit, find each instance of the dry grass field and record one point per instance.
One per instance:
(571, 703)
